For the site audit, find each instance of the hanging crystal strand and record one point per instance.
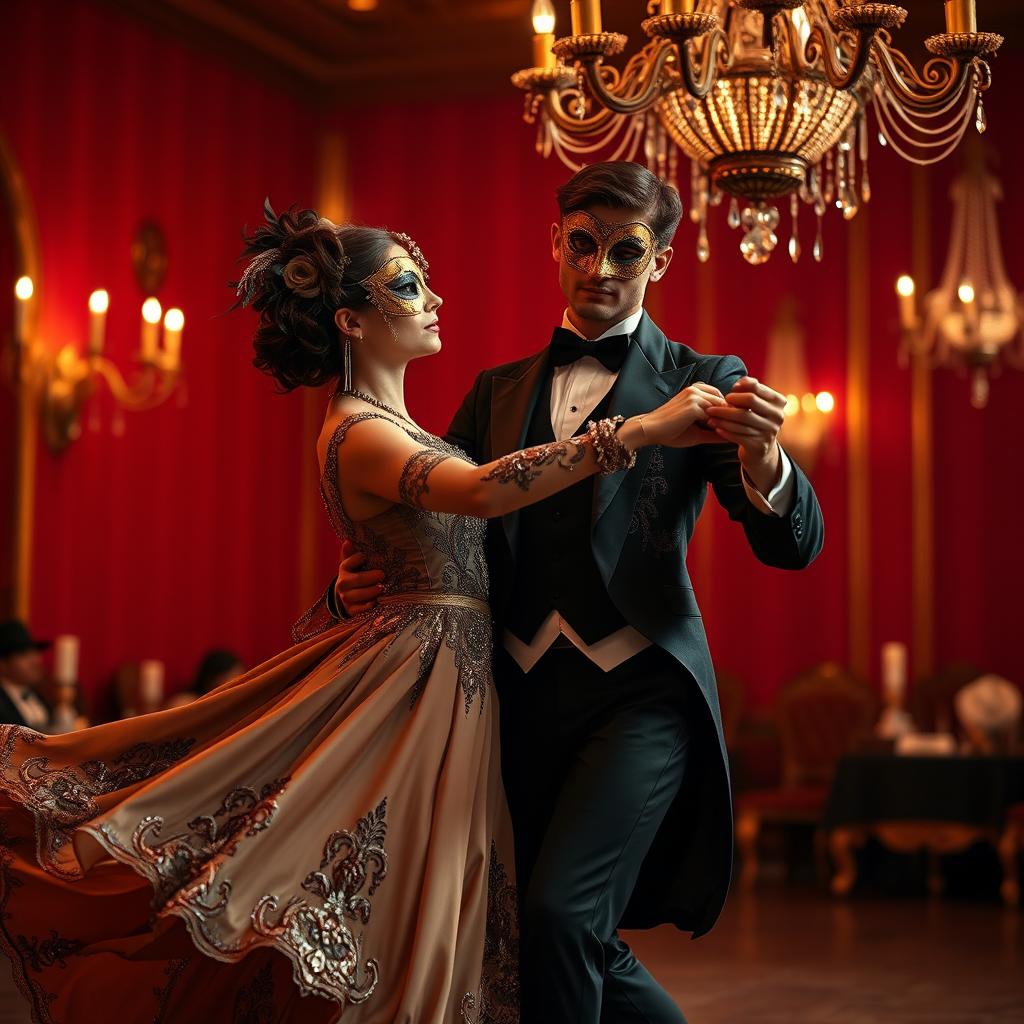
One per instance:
(794, 238)
(673, 166)
(819, 248)
(662, 151)
(862, 136)
(649, 140)
(827, 179)
(733, 219)
(849, 193)
(703, 247)
(980, 120)
(865, 184)
(696, 190)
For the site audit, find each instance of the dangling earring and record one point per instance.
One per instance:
(347, 373)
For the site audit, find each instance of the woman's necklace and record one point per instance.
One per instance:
(370, 400)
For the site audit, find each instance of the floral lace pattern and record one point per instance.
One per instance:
(326, 954)
(645, 512)
(62, 799)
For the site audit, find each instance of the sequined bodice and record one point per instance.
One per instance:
(416, 550)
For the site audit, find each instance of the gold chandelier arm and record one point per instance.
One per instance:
(941, 79)
(570, 123)
(653, 87)
(699, 75)
(822, 44)
(137, 396)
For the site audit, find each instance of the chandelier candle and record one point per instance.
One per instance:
(23, 290)
(151, 314)
(543, 34)
(586, 17)
(961, 16)
(99, 303)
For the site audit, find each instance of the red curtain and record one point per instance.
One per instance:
(181, 532)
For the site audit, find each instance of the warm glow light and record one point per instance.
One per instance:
(824, 401)
(808, 402)
(543, 17)
(151, 311)
(905, 285)
(23, 288)
(362, 5)
(174, 320)
(966, 292)
(99, 301)
(792, 405)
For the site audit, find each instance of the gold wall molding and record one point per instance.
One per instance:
(858, 364)
(28, 262)
(922, 569)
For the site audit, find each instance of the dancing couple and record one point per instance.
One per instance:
(344, 804)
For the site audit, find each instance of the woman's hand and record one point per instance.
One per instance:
(680, 423)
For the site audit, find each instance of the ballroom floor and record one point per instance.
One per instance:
(793, 955)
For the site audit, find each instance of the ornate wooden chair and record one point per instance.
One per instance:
(822, 715)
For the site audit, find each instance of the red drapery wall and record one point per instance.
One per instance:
(181, 533)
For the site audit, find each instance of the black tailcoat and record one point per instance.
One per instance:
(641, 524)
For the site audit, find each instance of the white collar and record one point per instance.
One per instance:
(627, 326)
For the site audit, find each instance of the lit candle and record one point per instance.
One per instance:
(65, 660)
(586, 17)
(23, 290)
(965, 293)
(825, 402)
(677, 6)
(961, 16)
(908, 311)
(174, 322)
(894, 670)
(151, 684)
(151, 313)
(99, 303)
(543, 15)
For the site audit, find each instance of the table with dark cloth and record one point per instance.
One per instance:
(940, 804)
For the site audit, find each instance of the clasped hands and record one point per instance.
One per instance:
(750, 417)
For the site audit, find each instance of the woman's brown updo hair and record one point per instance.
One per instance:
(303, 269)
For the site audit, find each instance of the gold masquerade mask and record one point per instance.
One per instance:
(398, 288)
(599, 249)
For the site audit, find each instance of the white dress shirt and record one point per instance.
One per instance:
(576, 389)
(30, 707)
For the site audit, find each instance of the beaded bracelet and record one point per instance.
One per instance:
(611, 454)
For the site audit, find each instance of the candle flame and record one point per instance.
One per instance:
(99, 301)
(966, 292)
(174, 320)
(543, 17)
(824, 401)
(151, 311)
(23, 288)
(905, 285)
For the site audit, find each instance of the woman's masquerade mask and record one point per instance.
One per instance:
(599, 249)
(398, 288)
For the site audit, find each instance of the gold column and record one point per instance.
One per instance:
(922, 648)
(858, 446)
(333, 202)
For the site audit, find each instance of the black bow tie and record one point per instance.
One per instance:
(567, 346)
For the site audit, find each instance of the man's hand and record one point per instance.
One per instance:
(356, 591)
(682, 421)
(751, 419)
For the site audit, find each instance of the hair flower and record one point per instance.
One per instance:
(301, 276)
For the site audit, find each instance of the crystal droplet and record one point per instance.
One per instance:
(779, 94)
(703, 248)
(819, 249)
(794, 239)
(980, 121)
(881, 140)
(733, 220)
(865, 184)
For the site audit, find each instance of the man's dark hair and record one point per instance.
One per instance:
(625, 185)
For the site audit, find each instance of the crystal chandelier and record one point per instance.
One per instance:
(767, 98)
(974, 319)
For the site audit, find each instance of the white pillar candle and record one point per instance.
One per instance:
(151, 683)
(99, 303)
(65, 660)
(894, 670)
(150, 332)
(174, 323)
(23, 290)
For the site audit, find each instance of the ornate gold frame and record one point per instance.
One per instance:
(27, 261)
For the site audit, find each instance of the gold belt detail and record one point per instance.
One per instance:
(427, 597)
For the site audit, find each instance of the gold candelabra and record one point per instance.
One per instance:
(62, 379)
(767, 98)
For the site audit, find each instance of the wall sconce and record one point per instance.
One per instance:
(808, 413)
(972, 321)
(64, 380)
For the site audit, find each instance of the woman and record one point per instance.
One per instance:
(340, 804)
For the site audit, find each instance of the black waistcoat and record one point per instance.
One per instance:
(555, 567)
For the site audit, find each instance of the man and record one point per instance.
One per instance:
(612, 748)
(21, 675)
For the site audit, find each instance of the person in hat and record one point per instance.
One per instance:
(21, 675)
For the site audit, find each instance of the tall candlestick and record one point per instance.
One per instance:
(961, 16)
(174, 322)
(151, 313)
(586, 17)
(23, 290)
(151, 684)
(65, 660)
(99, 303)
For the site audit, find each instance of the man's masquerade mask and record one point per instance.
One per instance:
(599, 249)
(398, 288)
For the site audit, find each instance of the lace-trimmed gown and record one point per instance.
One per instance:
(324, 836)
